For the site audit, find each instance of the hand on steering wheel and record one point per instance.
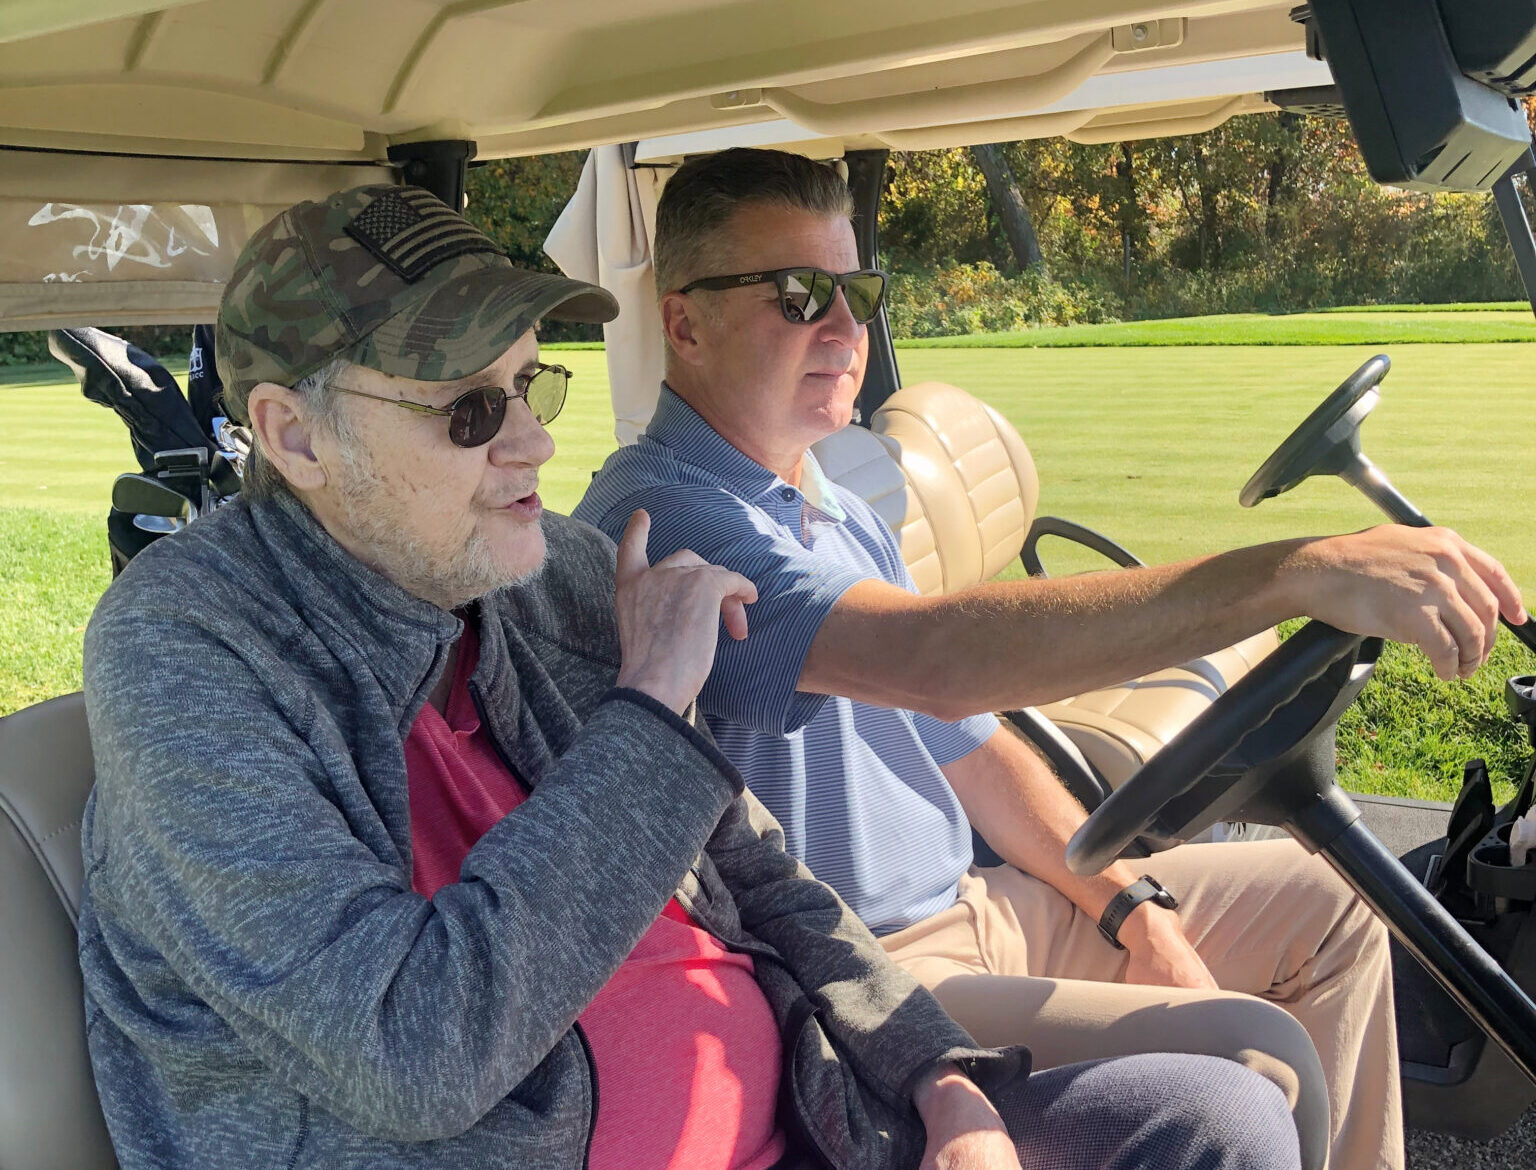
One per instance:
(1328, 443)
(1420, 586)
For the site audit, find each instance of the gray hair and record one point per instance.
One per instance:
(703, 195)
(262, 480)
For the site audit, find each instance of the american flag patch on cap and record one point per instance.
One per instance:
(412, 231)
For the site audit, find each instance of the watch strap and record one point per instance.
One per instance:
(1143, 889)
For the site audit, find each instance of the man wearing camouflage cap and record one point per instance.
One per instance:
(405, 849)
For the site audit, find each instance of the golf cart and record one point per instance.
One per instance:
(141, 142)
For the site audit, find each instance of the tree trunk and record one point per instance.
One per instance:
(1210, 225)
(1282, 178)
(1129, 209)
(1004, 192)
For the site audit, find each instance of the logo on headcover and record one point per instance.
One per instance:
(412, 231)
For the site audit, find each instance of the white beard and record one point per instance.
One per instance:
(472, 573)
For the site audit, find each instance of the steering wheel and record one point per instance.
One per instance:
(1327, 442)
(1246, 737)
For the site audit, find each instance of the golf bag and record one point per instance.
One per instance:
(1453, 1079)
(190, 458)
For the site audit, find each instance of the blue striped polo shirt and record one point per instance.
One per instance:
(856, 787)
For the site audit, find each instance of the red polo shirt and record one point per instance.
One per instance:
(686, 1047)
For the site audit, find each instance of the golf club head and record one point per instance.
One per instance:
(143, 495)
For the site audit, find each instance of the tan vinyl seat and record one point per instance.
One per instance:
(972, 491)
(49, 1115)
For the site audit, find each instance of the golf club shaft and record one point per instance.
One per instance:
(1373, 482)
(1483, 988)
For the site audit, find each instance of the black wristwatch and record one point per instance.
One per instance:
(1144, 889)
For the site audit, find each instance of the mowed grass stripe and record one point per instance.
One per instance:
(1405, 325)
(1152, 446)
(53, 567)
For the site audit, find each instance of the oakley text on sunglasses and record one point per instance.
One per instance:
(805, 294)
(475, 417)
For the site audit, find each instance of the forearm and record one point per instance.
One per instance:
(1028, 816)
(1023, 643)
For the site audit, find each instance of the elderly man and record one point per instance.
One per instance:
(833, 709)
(403, 849)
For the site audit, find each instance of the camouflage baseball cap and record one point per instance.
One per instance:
(390, 278)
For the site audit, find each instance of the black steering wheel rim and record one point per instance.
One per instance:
(1133, 808)
(1326, 439)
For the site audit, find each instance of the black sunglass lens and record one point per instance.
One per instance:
(864, 293)
(477, 416)
(546, 393)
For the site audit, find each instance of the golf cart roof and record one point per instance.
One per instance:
(141, 141)
(341, 80)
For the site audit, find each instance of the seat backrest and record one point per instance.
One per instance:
(866, 464)
(943, 433)
(49, 1115)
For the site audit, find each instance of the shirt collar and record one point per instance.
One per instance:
(817, 490)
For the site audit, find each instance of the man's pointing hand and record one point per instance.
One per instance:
(669, 616)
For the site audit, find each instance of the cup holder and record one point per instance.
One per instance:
(1489, 871)
(1520, 694)
(1520, 698)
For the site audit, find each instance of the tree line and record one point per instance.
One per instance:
(1266, 213)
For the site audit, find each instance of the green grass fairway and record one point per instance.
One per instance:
(1149, 445)
(1405, 324)
(1451, 307)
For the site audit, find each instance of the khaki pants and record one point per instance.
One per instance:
(1011, 961)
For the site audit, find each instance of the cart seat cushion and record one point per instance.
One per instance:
(866, 464)
(1120, 727)
(942, 433)
(50, 1116)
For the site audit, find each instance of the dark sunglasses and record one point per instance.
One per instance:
(806, 294)
(475, 417)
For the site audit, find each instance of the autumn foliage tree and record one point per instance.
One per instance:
(1266, 212)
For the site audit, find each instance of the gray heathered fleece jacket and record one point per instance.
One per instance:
(263, 987)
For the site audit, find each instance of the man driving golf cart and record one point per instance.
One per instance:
(834, 710)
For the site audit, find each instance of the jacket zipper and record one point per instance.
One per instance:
(586, 1047)
(485, 726)
(581, 1036)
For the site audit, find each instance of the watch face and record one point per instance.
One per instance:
(1163, 898)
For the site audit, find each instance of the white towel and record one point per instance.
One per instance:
(1522, 838)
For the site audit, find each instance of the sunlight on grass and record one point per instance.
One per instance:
(53, 567)
(1151, 446)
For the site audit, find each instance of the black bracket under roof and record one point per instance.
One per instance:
(440, 165)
